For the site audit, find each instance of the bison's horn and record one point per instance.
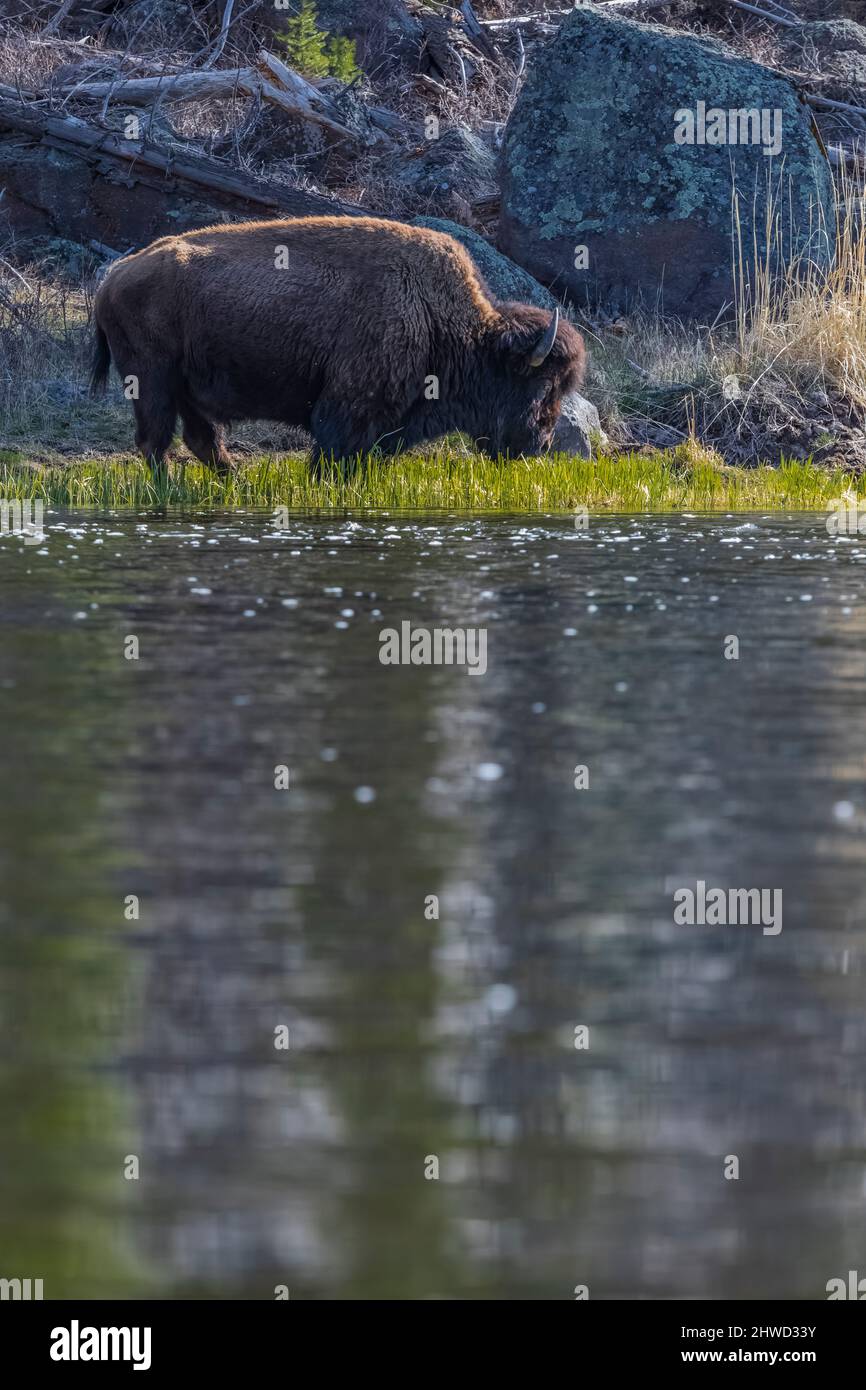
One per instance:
(544, 346)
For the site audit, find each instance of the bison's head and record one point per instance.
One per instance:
(532, 360)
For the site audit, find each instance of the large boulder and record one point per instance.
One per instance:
(503, 278)
(596, 156)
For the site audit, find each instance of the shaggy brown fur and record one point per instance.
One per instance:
(342, 342)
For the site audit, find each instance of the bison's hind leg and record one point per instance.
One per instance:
(155, 414)
(204, 438)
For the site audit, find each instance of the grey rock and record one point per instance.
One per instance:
(578, 428)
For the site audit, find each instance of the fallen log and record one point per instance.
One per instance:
(275, 83)
(65, 178)
(848, 160)
(540, 17)
(142, 91)
(785, 17)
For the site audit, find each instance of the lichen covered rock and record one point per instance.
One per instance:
(605, 198)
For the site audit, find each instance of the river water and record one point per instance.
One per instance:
(509, 1071)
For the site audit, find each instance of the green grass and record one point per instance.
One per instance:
(684, 479)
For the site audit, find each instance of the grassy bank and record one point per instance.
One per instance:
(683, 479)
(784, 377)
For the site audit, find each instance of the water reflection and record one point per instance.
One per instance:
(414, 1035)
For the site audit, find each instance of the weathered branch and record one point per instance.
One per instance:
(635, 4)
(285, 87)
(521, 67)
(828, 104)
(220, 44)
(542, 17)
(429, 83)
(764, 14)
(141, 91)
(58, 17)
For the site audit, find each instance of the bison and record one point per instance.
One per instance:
(364, 332)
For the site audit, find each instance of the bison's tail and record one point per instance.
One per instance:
(101, 361)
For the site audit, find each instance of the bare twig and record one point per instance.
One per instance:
(521, 65)
(225, 25)
(191, 62)
(16, 273)
(57, 19)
